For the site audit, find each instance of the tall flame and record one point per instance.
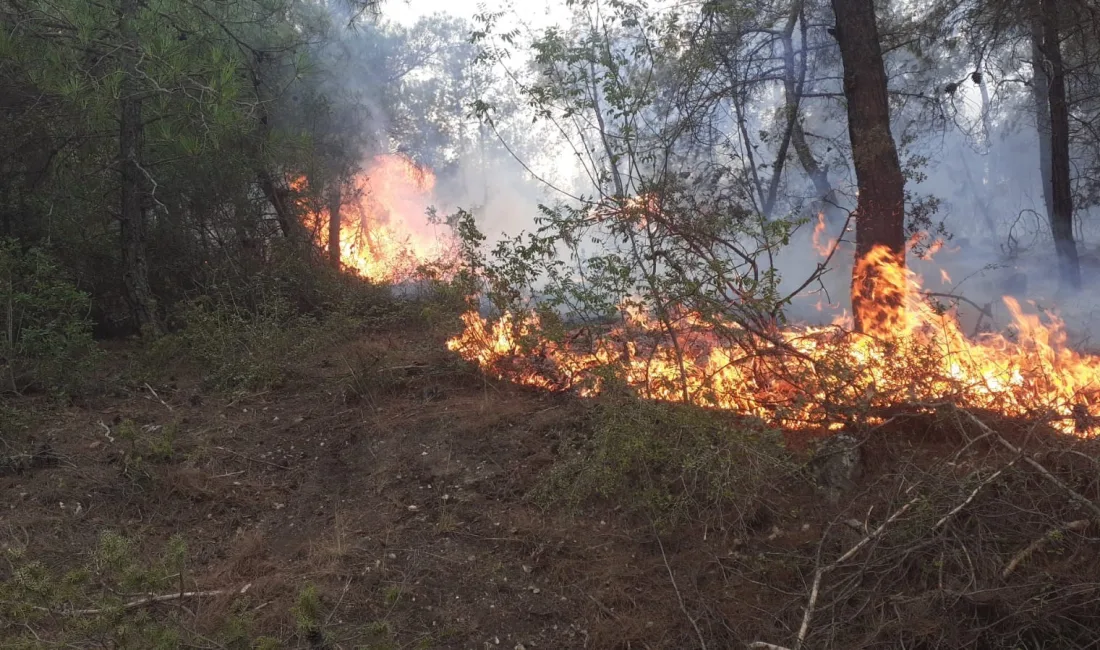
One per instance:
(385, 231)
(812, 377)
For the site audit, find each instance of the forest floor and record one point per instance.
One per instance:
(401, 514)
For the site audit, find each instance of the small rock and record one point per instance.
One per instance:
(95, 444)
(414, 508)
(837, 466)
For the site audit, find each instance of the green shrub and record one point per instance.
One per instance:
(93, 604)
(234, 347)
(47, 337)
(669, 462)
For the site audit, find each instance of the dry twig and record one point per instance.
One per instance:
(1076, 496)
(815, 590)
(166, 404)
(1078, 525)
(954, 511)
(150, 600)
(679, 597)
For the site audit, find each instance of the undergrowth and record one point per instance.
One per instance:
(669, 462)
(100, 601)
(46, 340)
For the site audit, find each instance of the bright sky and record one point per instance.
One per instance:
(535, 13)
(528, 15)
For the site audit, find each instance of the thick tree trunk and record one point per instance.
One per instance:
(335, 201)
(135, 266)
(1061, 193)
(880, 212)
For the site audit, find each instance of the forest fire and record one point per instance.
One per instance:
(911, 353)
(385, 231)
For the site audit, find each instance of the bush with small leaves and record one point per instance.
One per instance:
(46, 341)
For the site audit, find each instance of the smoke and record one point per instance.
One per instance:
(983, 172)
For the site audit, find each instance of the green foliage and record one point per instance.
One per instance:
(145, 445)
(47, 339)
(92, 603)
(236, 348)
(88, 600)
(248, 336)
(671, 463)
(670, 232)
(307, 611)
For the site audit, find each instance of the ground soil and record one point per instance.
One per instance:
(406, 504)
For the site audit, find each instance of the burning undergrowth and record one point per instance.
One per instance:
(387, 232)
(911, 351)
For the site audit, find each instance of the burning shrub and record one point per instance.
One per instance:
(671, 463)
(47, 340)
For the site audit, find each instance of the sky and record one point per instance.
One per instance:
(535, 13)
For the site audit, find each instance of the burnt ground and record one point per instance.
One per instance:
(407, 503)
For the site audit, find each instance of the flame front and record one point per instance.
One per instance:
(385, 231)
(911, 352)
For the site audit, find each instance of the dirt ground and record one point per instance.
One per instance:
(406, 509)
(407, 506)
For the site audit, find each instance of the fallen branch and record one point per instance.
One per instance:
(1078, 525)
(1076, 496)
(252, 458)
(954, 511)
(150, 600)
(873, 534)
(680, 598)
(166, 405)
(807, 616)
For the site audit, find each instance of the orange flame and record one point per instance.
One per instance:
(385, 230)
(822, 247)
(812, 377)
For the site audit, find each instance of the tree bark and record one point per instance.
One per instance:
(1061, 192)
(880, 211)
(335, 201)
(135, 265)
(1040, 92)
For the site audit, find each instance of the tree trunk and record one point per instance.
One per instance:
(277, 197)
(880, 211)
(1040, 92)
(981, 192)
(335, 201)
(793, 84)
(135, 266)
(1061, 193)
